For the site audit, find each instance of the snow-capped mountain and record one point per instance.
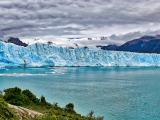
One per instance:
(69, 43)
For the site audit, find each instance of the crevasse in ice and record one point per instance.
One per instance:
(42, 55)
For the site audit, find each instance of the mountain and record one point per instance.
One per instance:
(153, 46)
(16, 41)
(135, 45)
(108, 47)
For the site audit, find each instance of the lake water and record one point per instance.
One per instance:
(129, 93)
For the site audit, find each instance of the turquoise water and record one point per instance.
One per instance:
(116, 93)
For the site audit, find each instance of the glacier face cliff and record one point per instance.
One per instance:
(42, 55)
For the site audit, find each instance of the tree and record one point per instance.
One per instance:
(90, 115)
(1, 96)
(70, 106)
(31, 96)
(55, 104)
(43, 100)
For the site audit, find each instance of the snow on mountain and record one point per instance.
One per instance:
(70, 43)
(39, 41)
(39, 54)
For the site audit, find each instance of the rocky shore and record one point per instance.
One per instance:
(23, 113)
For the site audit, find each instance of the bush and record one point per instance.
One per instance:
(18, 97)
(70, 108)
(43, 100)
(31, 96)
(5, 111)
(55, 104)
(90, 115)
(15, 97)
(1, 96)
(15, 90)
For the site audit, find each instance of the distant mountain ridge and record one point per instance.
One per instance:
(16, 41)
(153, 46)
(108, 47)
(145, 44)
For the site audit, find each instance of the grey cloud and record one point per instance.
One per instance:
(42, 17)
(126, 37)
(133, 35)
(98, 42)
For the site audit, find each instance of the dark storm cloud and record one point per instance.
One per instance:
(79, 17)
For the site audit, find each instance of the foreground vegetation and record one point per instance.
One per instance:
(27, 99)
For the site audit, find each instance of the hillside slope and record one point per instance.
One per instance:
(108, 47)
(152, 46)
(135, 45)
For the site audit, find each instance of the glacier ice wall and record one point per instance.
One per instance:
(42, 55)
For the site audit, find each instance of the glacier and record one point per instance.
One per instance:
(42, 55)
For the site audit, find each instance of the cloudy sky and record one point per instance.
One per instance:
(119, 20)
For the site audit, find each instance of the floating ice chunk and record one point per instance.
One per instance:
(21, 74)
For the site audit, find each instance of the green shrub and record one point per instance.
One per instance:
(43, 100)
(90, 114)
(70, 108)
(15, 90)
(15, 97)
(31, 96)
(5, 111)
(55, 104)
(99, 118)
(1, 96)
